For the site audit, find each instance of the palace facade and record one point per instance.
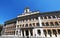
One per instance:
(34, 24)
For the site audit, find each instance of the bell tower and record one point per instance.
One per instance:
(26, 10)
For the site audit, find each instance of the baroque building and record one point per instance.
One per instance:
(1, 26)
(33, 24)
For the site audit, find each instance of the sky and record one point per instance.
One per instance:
(9, 9)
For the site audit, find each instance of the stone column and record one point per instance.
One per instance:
(42, 33)
(16, 27)
(40, 23)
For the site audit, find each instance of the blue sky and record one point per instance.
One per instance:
(11, 8)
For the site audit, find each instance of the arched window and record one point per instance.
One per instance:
(53, 16)
(56, 23)
(37, 24)
(58, 16)
(43, 24)
(58, 31)
(45, 33)
(23, 25)
(45, 17)
(18, 26)
(47, 24)
(39, 32)
(49, 17)
(33, 24)
(30, 25)
(51, 23)
(54, 32)
(49, 32)
(41, 17)
(26, 25)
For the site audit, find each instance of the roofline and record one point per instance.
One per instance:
(14, 19)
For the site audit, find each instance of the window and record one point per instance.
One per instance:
(47, 24)
(36, 18)
(53, 16)
(41, 17)
(30, 25)
(39, 32)
(45, 17)
(37, 24)
(58, 31)
(33, 24)
(49, 17)
(58, 16)
(26, 25)
(51, 23)
(17, 25)
(45, 32)
(56, 23)
(49, 32)
(54, 32)
(43, 24)
(23, 25)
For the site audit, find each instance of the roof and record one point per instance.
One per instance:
(14, 19)
(10, 21)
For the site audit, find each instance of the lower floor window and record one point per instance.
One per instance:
(39, 32)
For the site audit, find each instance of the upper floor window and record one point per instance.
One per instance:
(58, 16)
(56, 23)
(45, 17)
(23, 25)
(17, 25)
(30, 25)
(53, 16)
(51, 23)
(43, 24)
(49, 17)
(26, 25)
(33, 24)
(37, 24)
(47, 24)
(41, 17)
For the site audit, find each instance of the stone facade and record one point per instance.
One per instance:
(34, 24)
